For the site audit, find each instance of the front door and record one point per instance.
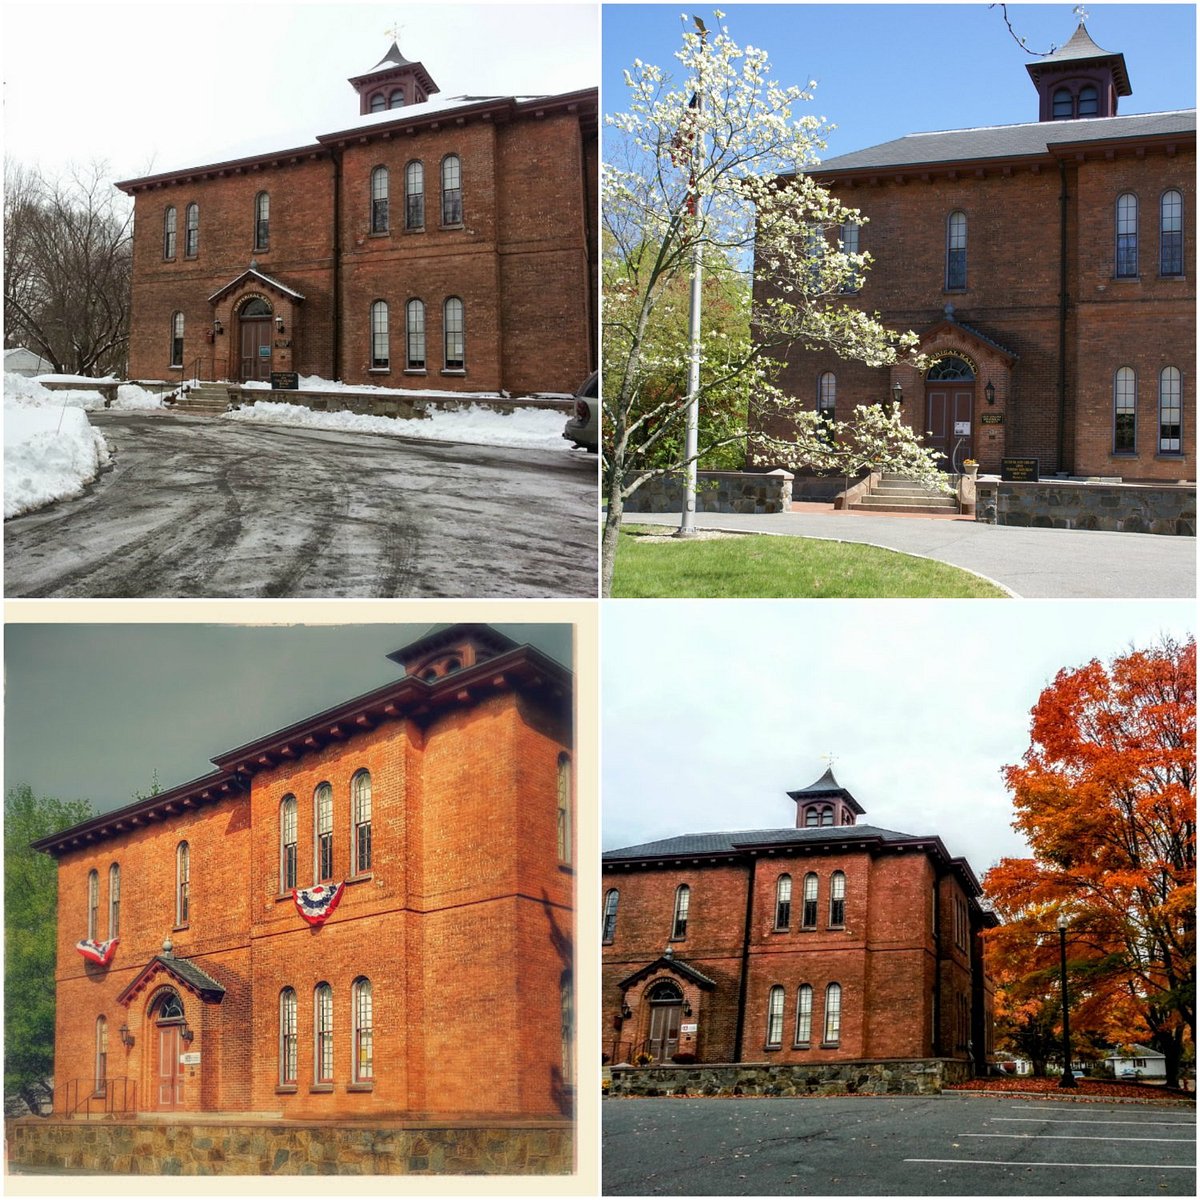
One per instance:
(665, 1015)
(949, 408)
(169, 1075)
(255, 331)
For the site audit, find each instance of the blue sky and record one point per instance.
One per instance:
(885, 70)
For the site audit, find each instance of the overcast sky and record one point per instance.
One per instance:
(93, 711)
(146, 87)
(713, 710)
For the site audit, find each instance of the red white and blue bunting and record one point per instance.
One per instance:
(316, 903)
(98, 952)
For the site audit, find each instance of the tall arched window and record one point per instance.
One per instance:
(454, 334)
(288, 1043)
(833, 1014)
(775, 1016)
(191, 231)
(452, 207)
(956, 252)
(323, 1033)
(564, 808)
(809, 916)
(837, 898)
(379, 200)
(183, 870)
(612, 898)
(783, 901)
(114, 901)
(1170, 234)
(804, 999)
(101, 1055)
(683, 898)
(566, 996)
(414, 195)
(360, 805)
(363, 1070)
(826, 395)
(1170, 411)
(380, 356)
(323, 833)
(1089, 101)
(93, 908)
(1127, 236)
(414, 327)
(169, 232)
(262, 221)
(1125, 411)
(177, 339)
(287, 843)
(850, 246)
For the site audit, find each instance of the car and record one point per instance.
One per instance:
(584, 426)
(1130, 1073)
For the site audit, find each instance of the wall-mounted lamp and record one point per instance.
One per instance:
(126, 1037)
(687, 1009)
(187, 1033)
(279, 324)
(897, 393)
(990, 392)
(626, 1012)
(217, 326)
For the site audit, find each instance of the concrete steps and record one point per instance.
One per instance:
(895, 494)
(205, 398)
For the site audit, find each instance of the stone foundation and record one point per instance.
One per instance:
(226, 1146)
(716, 491)
(887, 1077)
(1076, 504)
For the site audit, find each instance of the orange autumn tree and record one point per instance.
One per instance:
(1106, 797)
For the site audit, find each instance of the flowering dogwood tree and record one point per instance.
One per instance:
(718, 163)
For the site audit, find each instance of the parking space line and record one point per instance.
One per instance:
(984, 1162)
(1071, 1121)
(1078, 1137)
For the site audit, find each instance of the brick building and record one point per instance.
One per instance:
(831, 941)
(1048, 269)
(367, 913)
(440, 243)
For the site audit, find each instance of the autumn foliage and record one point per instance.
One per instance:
(1106, 797)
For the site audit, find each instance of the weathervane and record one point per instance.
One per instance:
(394, 32)
(828, 759)
(1082, 13)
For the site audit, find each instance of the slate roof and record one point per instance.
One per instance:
(1081, 49)
(827, 785)
(692, 844)
(1031, 140)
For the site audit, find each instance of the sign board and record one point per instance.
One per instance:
(688, 1028)
(992, 419)
(190, 1059)
(1019, 470)
(284, 381)
(264, 352)
(962, 428)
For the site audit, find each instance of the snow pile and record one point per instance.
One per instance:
(49, 454)
(24, 392)
(524, 428)
(314, 383)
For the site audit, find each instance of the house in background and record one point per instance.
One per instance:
(1137, 1061)
(20, 361)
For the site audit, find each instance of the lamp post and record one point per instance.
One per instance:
(1068, 1079)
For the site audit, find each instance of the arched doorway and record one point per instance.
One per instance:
(949, 410)
(167, 1023)
(666, 1009)
(254, 334)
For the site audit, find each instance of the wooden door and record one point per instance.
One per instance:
(255, 348)
(949, 409)
(664, 1029)
(169, 1074)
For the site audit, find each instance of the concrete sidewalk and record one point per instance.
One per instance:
(1031, 563)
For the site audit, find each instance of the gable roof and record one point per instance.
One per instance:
(183, 971)
(668, 962)
(252, 272)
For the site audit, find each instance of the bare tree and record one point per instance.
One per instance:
(68, 256)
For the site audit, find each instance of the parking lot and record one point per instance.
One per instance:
(950, 1145)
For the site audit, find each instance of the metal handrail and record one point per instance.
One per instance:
(84, 1094)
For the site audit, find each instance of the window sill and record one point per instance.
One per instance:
(415, 371)
(841, 927)
(801, 1045)
(380, 233)
(320, 1087)
(1172, 278)
(286, 1089)
(831, 1045)
(1126, 279)
(461, 372)
(1123, 454)
(180, 928)
(454, 225)
(769, 1047)
(567, 868)
(781, 929)
(367, 1086)
(379, 371)
(1173, 455)
(365, 877)
(415, 229)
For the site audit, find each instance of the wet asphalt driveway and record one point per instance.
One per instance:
(202, 507)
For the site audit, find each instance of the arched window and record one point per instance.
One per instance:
(101, 1055)
(564, 808)
(612, 898)
(775, 1016)
(956, 252)
(183, 869)
(683, 898)
(837, 898)
(1170, 411)
(1063, 104)
(804, 1015)
(191, 231)
(950, 368)
(414, 196)
(323, 833)
(850, 246)
(287, 1036)
(1125, 411)
(93, 907)
(169, 232)
(455, 335)
(1170, 234)
(809, 917)
(833, 1014)
(1089, 101)
(396, 99)
(168, 1007)
(566, 1000)
(287, 843)
(452, 207)
(114, 901)
(360, 805)
(827, 815)
(414, 322)
(177, 339)
(380, 357)
(783, 902)
(323, 1033)
(363, 1068)
(379, 200)
(812, 818)
(1127, 236)
(262, 221)
(826, 395)
(378, 102)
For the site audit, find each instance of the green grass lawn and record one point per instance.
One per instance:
(651, 563)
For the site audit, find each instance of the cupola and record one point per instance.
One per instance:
(393, 82)
(1079, 80)
(825, 803)
(449, 649)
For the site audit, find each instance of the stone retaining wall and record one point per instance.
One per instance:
(890, 1077)
(257, 1147)
(716, 491)
(1076, 504)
